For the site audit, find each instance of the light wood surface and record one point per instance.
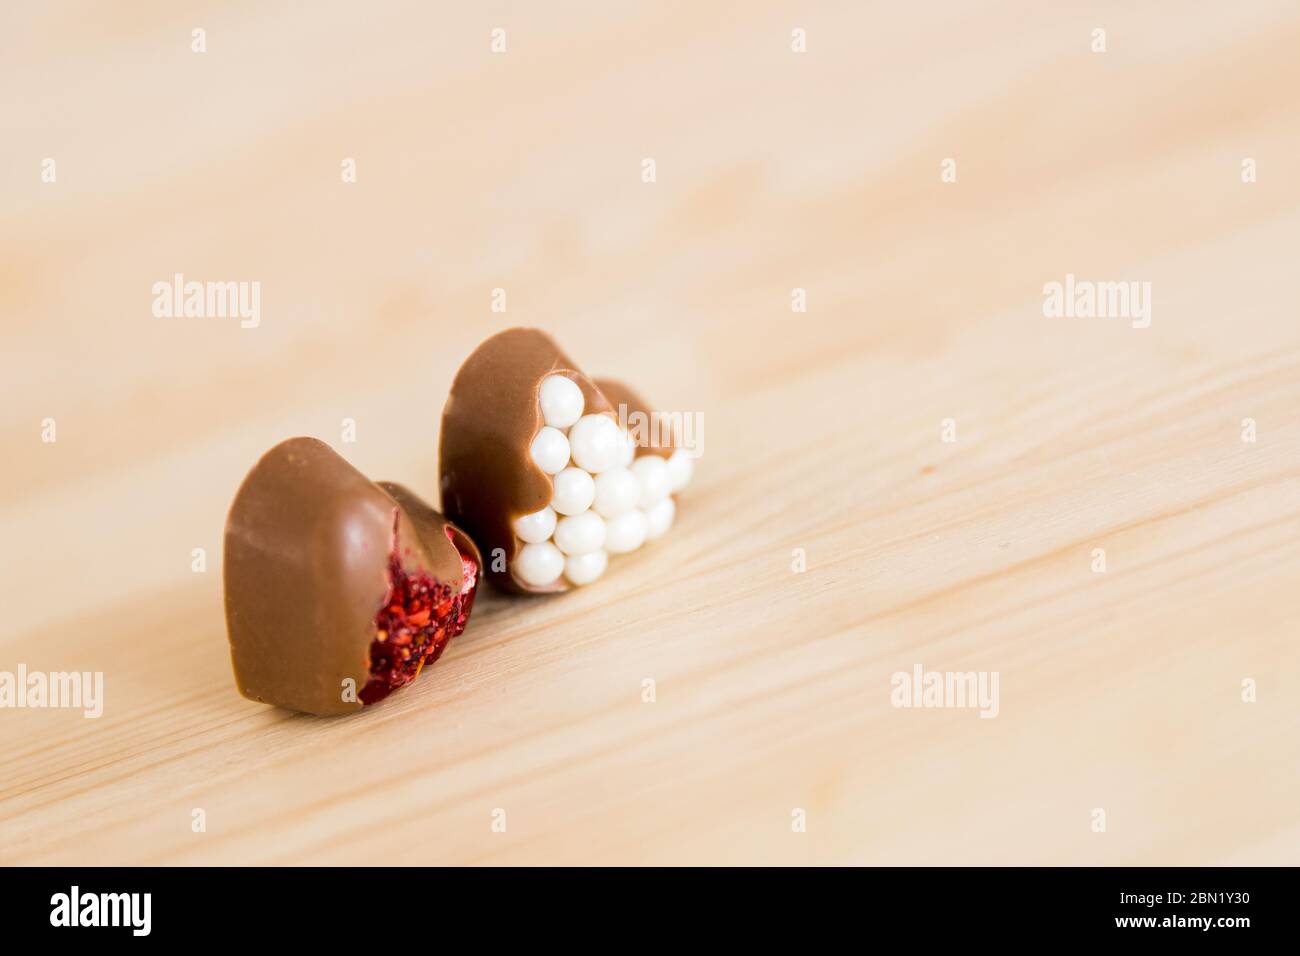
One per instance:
(1119, 691)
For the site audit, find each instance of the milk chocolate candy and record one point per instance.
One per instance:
(338, 589)
(537, 466)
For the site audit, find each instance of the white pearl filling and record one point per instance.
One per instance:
(550, 450)
(680, 468)
(626, 533)
(540, 564)
(606, 498)
(536, 527)
(659, 519)
(651, 473)
(597, 443)
(573, 492)
(617, 492)
(580, 534)
(585, 568)
(561, 401)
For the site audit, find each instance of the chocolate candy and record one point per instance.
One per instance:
(338, 589)
(536, 466)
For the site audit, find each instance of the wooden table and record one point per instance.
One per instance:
(1120, 690)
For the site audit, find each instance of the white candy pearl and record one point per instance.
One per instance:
(617, 491)
(574, 491)
(652, 475)
(580, 534)
(596, 442)
(550, 450)
(561, 401)
(585, 568)
(538, 565)
(680, 468)
(535, 527)
(625, 533)
(629, 450)
(659, 519)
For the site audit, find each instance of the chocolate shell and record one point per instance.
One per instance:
(319, 561)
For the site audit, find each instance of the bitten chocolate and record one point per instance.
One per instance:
(537, 467)
(338, 590)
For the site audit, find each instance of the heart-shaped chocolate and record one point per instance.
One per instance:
(537, 463)
(338, 589)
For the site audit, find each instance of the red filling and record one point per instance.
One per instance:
(417, 621)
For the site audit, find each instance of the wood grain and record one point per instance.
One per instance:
(1120, 690)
